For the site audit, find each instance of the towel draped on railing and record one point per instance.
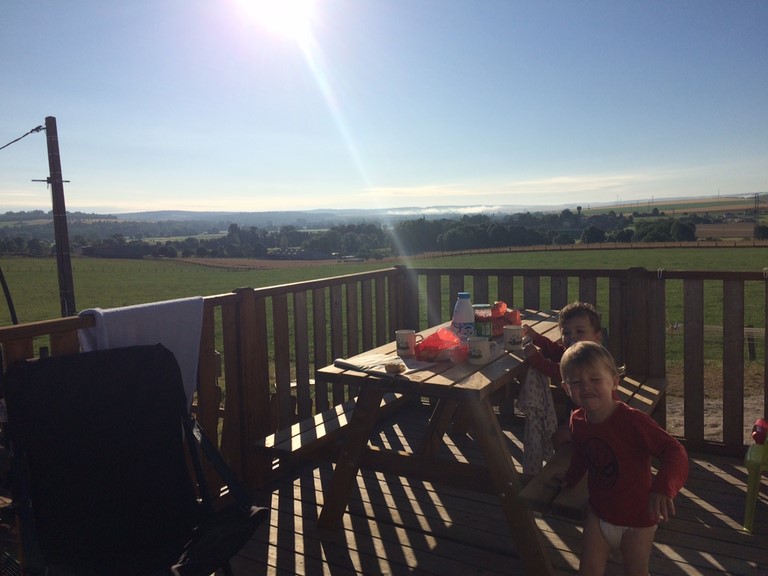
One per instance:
(176, 324)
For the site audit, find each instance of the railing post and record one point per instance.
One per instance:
(693, 362)
(733, 363)
(434, 299)
(558, 292)
(637, 329)
(657, 338)
(532, 292)
(617, 310)
(408, 306)
(252, 395)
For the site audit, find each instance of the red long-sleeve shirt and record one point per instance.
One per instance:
(547, 360)
(617, 455)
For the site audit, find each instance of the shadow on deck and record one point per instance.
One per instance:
(397, 526)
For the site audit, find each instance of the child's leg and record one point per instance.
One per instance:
(636, 546)
(594, 548)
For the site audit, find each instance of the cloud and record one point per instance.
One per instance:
(421, 191)
(524, 191)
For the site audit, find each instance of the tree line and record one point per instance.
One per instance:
(93, 235)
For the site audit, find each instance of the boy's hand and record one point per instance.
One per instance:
(529, 350)
(529, 331)
(661, 506)
(557, 481)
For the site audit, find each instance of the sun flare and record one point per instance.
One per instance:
(288, 18)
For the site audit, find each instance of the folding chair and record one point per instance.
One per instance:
(100, 477)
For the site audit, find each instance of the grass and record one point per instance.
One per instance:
(109, 283)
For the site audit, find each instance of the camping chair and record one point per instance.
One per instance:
(101, 480)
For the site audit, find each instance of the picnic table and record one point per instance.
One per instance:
(453, 388)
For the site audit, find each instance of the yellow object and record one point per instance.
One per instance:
(756, 462)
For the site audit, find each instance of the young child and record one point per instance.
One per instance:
(577, 321)
(614, 444)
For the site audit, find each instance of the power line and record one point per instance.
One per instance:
(37, 129)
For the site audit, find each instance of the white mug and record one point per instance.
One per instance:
(406, 342)
(481, 350)
(513, 337)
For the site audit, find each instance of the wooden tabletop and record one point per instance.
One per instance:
(443, 379)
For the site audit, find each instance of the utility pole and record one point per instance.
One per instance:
(63, 262)
(757, 215)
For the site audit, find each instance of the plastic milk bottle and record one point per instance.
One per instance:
(463, 323)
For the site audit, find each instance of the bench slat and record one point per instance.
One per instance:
(647, 397)
(310, 436)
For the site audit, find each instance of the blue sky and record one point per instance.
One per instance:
(208, 105)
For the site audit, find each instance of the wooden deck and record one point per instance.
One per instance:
(396, 526)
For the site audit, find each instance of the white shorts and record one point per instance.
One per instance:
(613, 534)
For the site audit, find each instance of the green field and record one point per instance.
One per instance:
(713, 205)
(108, 283)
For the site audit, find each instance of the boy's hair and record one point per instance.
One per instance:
(587, 353)
(576, 309)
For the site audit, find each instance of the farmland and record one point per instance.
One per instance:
(109, 283)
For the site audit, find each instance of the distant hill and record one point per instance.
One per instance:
(327, 217)
(330, 216)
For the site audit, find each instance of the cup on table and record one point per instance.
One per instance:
(406, 342)
(481, 350)
(513, 337)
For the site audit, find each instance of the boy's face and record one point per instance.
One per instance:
(579, 329)
(591, 387)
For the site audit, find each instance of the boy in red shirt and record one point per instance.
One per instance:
(577, 321)
(614, 444)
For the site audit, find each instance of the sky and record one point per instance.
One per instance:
(261, 105)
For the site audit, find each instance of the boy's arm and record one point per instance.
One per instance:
(547, 367)
(545, 359)
(673, 459)
(551, 349)
(578, 466)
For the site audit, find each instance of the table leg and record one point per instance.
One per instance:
(358, 432)
(438, 425)
(527, 537)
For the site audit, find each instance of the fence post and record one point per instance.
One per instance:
(637, 329)
(252, 396)
(657, 338)
(408, 305)
(617, 307)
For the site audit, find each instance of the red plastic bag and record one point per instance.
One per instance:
(440, 346)
(501, 315)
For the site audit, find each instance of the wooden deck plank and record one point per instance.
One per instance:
(398, 526)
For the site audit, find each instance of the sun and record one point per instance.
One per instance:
(287, 18)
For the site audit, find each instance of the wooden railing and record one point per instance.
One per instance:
(260, 347)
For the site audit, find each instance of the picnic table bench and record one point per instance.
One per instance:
(318, 437)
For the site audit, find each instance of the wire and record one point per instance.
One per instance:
(38, 129)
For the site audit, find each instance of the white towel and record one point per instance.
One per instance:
(176, 324)
(535, 401)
